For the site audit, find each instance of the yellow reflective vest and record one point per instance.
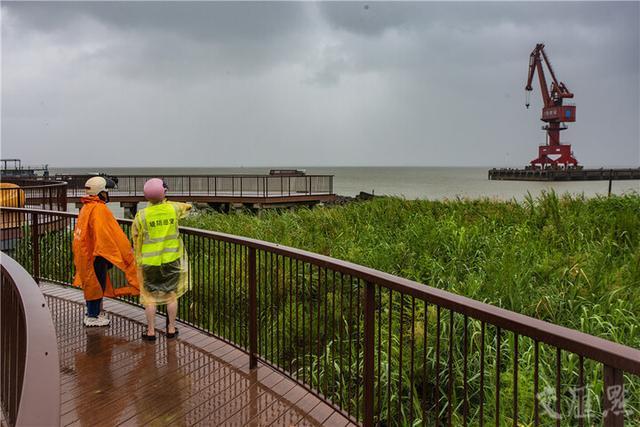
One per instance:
(160, 239)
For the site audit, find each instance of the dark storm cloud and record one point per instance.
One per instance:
(373, 18)
(196, 20)
(233, 83)
(162, 37)
(484, 33)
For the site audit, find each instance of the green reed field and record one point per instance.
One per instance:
(567, 260)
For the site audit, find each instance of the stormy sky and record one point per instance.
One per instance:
(304, 84)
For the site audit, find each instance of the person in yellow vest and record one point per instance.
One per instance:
(163, 268)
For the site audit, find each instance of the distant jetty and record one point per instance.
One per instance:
(569, 174)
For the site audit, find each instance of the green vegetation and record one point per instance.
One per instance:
(570, 260)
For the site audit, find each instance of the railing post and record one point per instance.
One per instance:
(253, 311)
(369, 354)
(189, 185)
(35, 247)
(613, 397)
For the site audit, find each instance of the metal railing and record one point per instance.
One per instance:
(36, 194)
(217, 185)
(29, 366)
(381, 349)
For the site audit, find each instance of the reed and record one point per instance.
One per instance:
(568, 260)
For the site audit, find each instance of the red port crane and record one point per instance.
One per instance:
(552, 153)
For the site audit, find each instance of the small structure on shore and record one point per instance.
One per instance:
(15, 169)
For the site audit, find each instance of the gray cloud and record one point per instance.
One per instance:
(311, 83)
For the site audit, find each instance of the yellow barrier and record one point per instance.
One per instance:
(11, 196)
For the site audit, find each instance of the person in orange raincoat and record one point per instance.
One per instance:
(98, 244)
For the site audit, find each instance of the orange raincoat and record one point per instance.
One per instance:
(97, 233)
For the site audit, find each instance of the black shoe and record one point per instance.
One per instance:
(146, 337)
(172, 335)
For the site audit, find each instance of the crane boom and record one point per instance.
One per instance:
(558, 90)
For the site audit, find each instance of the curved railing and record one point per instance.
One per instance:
(380, 349)
(36, 194)
(29, 367)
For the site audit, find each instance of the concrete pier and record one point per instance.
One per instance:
(572, 174)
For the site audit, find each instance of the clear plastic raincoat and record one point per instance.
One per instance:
(163, 267)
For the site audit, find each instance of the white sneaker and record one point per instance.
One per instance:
(102, 315)
(96, 321)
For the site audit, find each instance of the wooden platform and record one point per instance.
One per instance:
(256, 191)
(109, 376)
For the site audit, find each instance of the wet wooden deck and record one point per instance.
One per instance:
(109, 376)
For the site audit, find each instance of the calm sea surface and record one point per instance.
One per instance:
(409, 182)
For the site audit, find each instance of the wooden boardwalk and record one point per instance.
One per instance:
(109, 376)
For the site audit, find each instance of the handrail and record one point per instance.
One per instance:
(30, 391)
(41, 193)
(46, 184)
(614, 354)
(230, 175)
(248, 264)
(249, 185)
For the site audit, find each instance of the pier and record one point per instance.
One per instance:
(221, 192)
(570, 174)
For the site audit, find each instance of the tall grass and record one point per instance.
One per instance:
(568, 260)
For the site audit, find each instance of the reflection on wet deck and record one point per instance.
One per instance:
(109, 376)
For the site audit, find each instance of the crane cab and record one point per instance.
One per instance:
(559, 113)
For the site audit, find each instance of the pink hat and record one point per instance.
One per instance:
(154, 189)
